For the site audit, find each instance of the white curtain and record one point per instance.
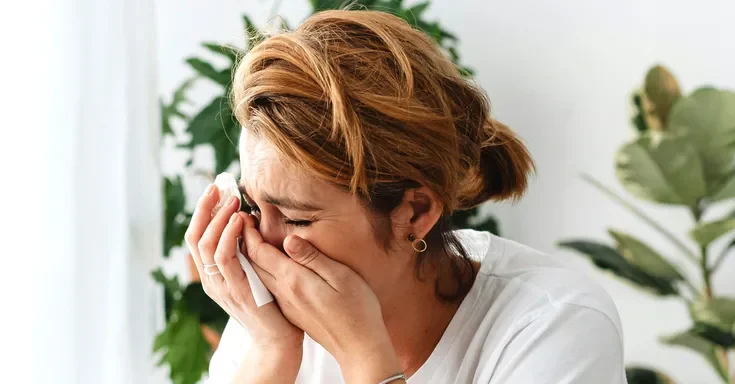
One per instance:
(81, 192)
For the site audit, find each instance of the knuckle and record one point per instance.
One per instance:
(237, 296)
(308, 257)
(253, 250)
(220, 258)
(216, 291)
(206, 246)
(292, 282)
(189, 238)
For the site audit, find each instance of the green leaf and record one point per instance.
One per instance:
(418, 10)
(207, 70)
(718, 311)
(705, 233)
(413, 14)
(392, 6)
(252, 33)
(216, 126)
(691, 340)
(433, 30)
(466, 71)
(165, 119)
(453, 54)
(184, 348)
(608, 258)
(171, 290)
(228, 51)
(225, 148)
(714, 335)
(639, 120)
(661, 168)
(207, 311)
(644, 257)
(321, 5)
(643, 375)
(179, 96)
(707, 118)
(727, 190)
(173, 109)
(176, 220)
(209, 124)
(443, 34)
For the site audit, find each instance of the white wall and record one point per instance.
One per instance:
(560, 73)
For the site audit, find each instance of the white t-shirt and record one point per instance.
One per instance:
(525, 320)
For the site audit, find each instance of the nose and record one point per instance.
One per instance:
(272, 231)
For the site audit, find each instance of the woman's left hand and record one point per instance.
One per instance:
(330, 302)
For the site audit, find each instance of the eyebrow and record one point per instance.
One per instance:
(289, 203)
(283, 202)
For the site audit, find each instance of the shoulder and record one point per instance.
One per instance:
(530, 309)
(523, 282)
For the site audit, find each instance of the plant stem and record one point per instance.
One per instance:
(703, 259)
(721, 356)
(706, 275)
(687, 252)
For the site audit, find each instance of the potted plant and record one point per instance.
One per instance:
(682, 156)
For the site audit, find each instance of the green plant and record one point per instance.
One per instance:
(182, 343)
(683, 157)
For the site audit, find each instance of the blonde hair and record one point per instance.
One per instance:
(362, 100)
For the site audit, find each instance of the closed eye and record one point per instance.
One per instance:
(298, 223)
(254, 210)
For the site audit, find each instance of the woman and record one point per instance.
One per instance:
(360, 140)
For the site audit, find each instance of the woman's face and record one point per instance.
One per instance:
(288, 201)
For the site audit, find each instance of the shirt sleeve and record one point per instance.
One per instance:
(226, 360)
(567, 344)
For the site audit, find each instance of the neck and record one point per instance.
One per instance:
(416, 320)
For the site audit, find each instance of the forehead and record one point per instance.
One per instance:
(264, 169)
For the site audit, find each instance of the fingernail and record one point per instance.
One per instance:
(232, 200)
(209, 189)
(295, 244)
(234, 218)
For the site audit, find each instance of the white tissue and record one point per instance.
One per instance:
(227, 186)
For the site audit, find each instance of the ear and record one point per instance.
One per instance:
(418, 212)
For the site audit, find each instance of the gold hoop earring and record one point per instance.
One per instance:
(418, 245)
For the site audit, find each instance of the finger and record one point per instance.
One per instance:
(198, 224)
(307, 255)
(208, 243)
(266, 256)
(226, 257)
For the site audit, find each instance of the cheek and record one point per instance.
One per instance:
(352, 244)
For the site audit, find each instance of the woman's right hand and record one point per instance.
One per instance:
(212, 240)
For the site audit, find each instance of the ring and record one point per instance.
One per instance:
(208, 269)
(215, 272)
(209, 265)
